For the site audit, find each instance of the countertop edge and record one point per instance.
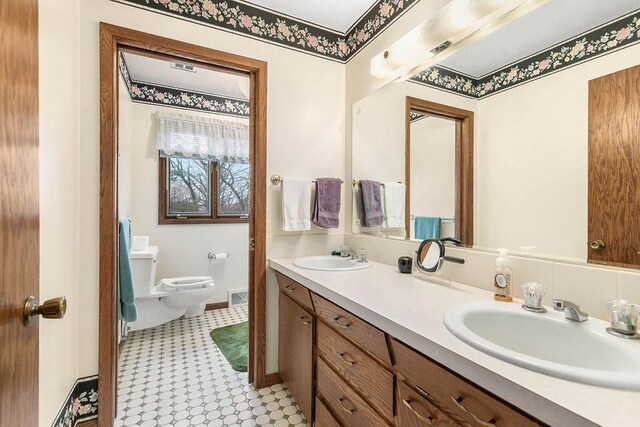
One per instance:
(519, 396)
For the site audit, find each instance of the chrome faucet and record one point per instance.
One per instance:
(360, 255)
(571, 310)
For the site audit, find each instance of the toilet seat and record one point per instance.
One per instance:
(179, 284)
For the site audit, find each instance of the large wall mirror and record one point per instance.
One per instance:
(556, 120)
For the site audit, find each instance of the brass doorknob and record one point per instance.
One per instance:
(51, 309)
(597, 245)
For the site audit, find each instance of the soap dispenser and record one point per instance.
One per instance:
(503, 278)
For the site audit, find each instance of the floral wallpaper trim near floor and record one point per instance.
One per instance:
(81, 403)
(170, 97)
(617, 34)
(251, 21)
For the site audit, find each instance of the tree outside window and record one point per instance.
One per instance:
(203, 191)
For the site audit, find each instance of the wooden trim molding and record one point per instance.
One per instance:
(113, 38)
(272, 379)
(464, 162)
(216, 305)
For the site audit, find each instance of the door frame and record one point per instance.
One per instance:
(464, 163)
(112, 38)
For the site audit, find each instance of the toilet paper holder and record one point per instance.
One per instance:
(211, 255)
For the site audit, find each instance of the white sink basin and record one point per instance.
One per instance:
(548, 343)
(330, 263)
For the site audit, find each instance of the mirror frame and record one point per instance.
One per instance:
(440, 261)
(464, 163)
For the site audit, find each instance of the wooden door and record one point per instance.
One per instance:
(295, 352)
(18, 210)
(614, 169)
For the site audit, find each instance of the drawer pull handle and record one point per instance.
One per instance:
(424, 393)
(305, 320)
(288, 289)
(346, 362)
(459, 404)
(344, 408)
(407, 403)
(341, 324)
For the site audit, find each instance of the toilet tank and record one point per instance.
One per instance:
(143, 270)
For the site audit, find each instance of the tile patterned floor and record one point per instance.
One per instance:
(175, 375)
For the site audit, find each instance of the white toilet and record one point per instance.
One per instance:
(169, 299)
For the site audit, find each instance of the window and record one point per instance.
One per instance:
(202, 191)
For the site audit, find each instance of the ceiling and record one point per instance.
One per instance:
(337, 15)
(144, 69)
(550, 24)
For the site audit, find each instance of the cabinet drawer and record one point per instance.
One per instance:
(471, 403)
(363, 374)
(323, 416)
(294, 290)
(416, 411)
(349, 408)
(357, 330)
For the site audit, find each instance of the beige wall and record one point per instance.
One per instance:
(59, 202)
(433, 174)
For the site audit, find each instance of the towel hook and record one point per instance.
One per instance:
(276, 179)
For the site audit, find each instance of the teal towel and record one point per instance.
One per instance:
(128, 310)
(427, 227)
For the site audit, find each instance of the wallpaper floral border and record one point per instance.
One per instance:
(615, 35)
(252, 21)
(161, 95)
(81, 403)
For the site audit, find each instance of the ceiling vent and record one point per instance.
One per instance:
(183, 67)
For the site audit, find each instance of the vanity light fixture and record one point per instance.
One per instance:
(456, 25)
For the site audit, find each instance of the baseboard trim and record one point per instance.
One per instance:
(216, 305)
(81, 404)
(272, 379)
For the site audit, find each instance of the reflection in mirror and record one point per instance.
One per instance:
(438, 171)
(555, 126)
(432, 183)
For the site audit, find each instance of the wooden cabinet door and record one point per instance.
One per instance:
(614, 168)
(295, 352)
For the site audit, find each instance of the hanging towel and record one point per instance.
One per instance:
(427, 227)
(128, 310)
(393, 205)
(296, 196)
(372, 203)
(326, 208)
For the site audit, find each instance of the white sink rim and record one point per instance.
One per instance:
(350, 265)
(625, 380)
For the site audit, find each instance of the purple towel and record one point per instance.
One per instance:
(371, 203)
(326, 208)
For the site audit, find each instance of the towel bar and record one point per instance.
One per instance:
(357, 182)
(452, 219)
(277, 179)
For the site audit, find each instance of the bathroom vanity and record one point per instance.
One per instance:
(368, 348)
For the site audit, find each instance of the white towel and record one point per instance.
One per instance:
(296, 204)
(393, 204)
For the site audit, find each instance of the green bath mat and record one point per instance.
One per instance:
(233, 342)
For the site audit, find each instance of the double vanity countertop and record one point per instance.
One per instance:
(411, 310)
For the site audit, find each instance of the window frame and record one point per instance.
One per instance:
(164, 218)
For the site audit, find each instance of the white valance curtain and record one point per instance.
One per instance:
(202, 137)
